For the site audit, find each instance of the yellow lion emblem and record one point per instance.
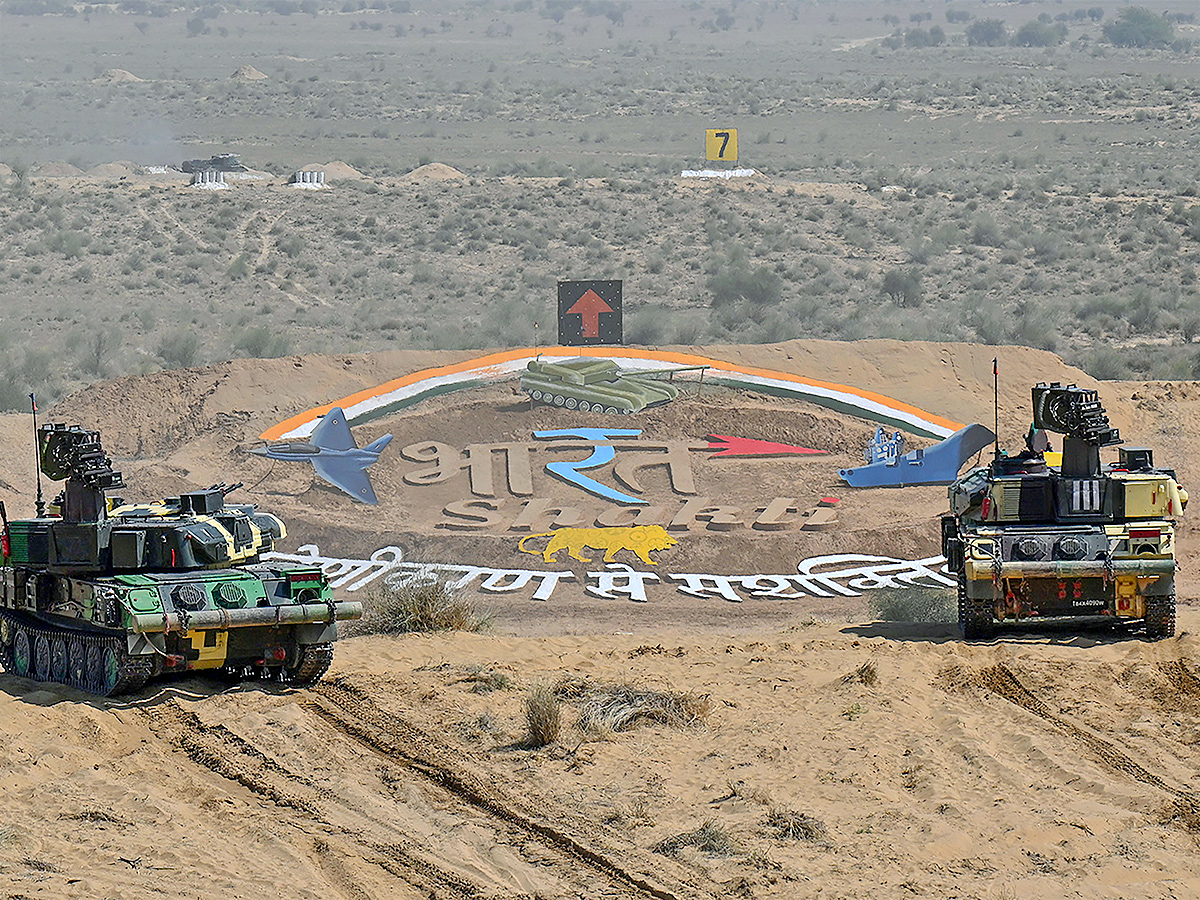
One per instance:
(641, 539)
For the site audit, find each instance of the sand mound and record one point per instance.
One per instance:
(247, 73)
(57, 169)
(884, 758)
(6, 174)
(120, 169)
(116, 76)
(335, 170)
(435, 172)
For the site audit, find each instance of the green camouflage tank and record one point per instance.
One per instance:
(102, 595)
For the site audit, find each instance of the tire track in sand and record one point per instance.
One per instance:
(1001, 681)
(356, 715)
(584, 859)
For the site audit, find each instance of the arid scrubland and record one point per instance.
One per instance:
(914, 183)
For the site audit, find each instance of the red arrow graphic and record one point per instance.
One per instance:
(727, 445)
(589, 307)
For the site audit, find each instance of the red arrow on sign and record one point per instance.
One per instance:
(589, 307)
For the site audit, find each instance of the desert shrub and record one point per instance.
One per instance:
(760, 285)
(708, 838)
(609, 708)
(1040, 34)
(417, 604)
(1106, 364)
(260, 342)
(484, 681)
(987, 33)
(178, 350)
(913, 604)
(789, 825)
(903, 286)
(543, 715)
(1138, 26)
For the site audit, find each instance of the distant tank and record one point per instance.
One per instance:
(1042, 535)
(102, 595)
(222, 162)
(594, 385)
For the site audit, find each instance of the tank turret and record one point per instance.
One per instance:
(102, 594)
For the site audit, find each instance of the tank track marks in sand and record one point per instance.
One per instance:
(1181, 677)
(355, 714)
(570, 848)
(221, 751)
(1001, 681)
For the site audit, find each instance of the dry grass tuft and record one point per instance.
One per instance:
(484, 681)
(417, 605)
(708, 838)
(611, 708)
(1183, 814)
(914, 604)
(789, 825)
(864, 674)
(543, 715)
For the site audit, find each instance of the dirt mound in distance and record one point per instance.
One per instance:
(336, 170)
(119, 169)
(116, 76)
(57, 169)
(247, 73)
(434, 172)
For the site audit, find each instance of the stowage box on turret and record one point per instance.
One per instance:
(102, 596)
(1050, 535)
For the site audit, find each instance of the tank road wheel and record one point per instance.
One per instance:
(1160, 616)
(92, 668)
(58, 659)
(535, 394)
(572, 403)
(311, 663)
(22, 652)
(584, 406)
(76, 663)
(612, 411)
(559, 400)
(41, 658)
(6, 636)
(104, 669)
(974, 616)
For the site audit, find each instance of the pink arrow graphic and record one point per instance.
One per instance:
(589, 307)
(727, 445)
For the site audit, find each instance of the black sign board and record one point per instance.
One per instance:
(589, 312)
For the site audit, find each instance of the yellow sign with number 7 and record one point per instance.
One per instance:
(721, 143)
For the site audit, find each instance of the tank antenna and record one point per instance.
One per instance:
(37, 454)
(996, 402)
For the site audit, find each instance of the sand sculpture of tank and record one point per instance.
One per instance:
(594, 385)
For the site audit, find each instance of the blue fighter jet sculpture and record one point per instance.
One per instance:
(334, 455)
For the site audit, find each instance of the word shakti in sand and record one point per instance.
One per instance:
(836, 575)
(596, 460)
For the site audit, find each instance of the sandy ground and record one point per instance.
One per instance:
(1035, 766)
(1043, 764)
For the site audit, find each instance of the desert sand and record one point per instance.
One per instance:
(1043, 764)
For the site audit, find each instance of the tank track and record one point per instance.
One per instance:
(87, 661)
(1160, 616)
(313, 663)
(974, 616)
